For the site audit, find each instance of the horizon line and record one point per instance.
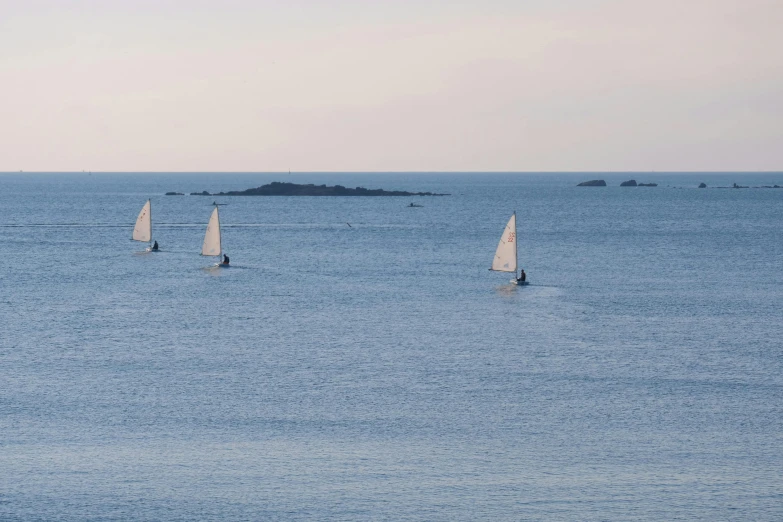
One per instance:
(292, 173)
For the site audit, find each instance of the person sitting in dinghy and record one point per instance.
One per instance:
(155, 246)
(225, 259)
(522, 276)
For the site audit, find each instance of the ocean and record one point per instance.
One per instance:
(359, 362)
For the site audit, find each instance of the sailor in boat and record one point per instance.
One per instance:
(522, 276)
(155, 246)
(225, 259)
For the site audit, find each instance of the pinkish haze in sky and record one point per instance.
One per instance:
(386, 85)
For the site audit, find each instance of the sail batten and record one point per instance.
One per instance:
(143, 229)
(211, 246)
(506, 254)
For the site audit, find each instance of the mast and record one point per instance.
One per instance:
(150, 202)
(220, 235)
(516, 245)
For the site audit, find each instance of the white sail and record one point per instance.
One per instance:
(211, 245)
(506, 254)
(143, 229)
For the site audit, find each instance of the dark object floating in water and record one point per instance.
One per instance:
(702, 185)
(593, 183)
(744, 186)
(414, 205)
(174, 194)
(277, 188)
(647, 185)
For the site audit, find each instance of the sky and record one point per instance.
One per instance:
(391, 85)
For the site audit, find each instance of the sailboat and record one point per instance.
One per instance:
(212, 245)
(143, 229)
(506, 254)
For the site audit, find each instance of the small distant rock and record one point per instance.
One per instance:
(647, 185)
(593, 183)
(174, 194)
(203, 193)
(629, 183)
(702, 185)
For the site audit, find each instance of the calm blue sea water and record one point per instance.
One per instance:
(380, 371)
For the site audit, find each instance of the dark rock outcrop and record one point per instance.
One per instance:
(174, 194)
(593, 183)
(702, 185)
(277, 188)
(629, 183)
(647, 185)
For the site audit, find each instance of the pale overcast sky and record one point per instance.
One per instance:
(430, 85)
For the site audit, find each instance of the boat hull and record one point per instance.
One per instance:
(519, 283)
